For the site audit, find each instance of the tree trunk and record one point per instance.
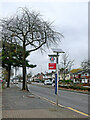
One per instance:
(24, 66)
(9, 72)
(24, 77)
(63, 77)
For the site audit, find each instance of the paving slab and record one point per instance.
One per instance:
(22, 104)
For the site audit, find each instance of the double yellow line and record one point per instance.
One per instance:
(70, 108)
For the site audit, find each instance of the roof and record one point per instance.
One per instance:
(75, 70)
(80, 72)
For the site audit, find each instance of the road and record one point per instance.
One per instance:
(78, 101)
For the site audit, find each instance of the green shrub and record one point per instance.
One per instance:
(67, 81)
(75, 87)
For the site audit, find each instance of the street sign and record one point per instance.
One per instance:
(52, 66)
(52, 59)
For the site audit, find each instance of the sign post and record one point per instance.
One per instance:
(57, 51)
(56, 83)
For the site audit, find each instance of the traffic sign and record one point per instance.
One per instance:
(52, 66)
(52, 59)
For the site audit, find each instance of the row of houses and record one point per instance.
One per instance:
(80, 76)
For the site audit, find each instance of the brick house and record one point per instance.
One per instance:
(80, 77)
(39, 76)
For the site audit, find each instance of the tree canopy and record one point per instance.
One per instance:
(12, 56)
(86, 65)
(27, 28)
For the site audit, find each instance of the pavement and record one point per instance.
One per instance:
(0, 101)
(22, 104)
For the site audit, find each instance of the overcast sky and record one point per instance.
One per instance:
(70, 19)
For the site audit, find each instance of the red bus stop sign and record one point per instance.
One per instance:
(52, 66)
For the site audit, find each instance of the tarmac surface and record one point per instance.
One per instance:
(22, 104)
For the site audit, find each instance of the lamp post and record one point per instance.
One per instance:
(57, 51)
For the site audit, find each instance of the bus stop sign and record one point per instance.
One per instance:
(52, 66)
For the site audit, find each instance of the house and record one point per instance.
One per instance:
(37, 77)
(50, 75)
(80, 76)
(85, 76)
(42, 76)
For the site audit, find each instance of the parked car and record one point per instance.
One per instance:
(53, 82)
(36, 80)
(15, 81)
(47, 82)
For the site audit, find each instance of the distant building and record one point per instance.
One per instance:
(38, 77)
(80, 76)
(50, 75)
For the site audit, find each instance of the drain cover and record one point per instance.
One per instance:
(31, 96)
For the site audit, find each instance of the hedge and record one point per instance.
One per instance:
(76, 87)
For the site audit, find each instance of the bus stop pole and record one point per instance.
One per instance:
(57, 81)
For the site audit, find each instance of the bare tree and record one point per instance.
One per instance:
(29, 75)
(29, 29)
(65, 65)
(86, 65)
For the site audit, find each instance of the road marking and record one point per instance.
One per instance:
(78, 111)
(46, 99)
(70, 108)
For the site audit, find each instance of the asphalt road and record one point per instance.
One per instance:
(78, 101)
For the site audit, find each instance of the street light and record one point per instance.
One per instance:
(57, 55)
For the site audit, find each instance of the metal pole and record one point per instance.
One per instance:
(57, 81)
(26, 80)
(15, 67)
(15, 75)
(26, 86)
